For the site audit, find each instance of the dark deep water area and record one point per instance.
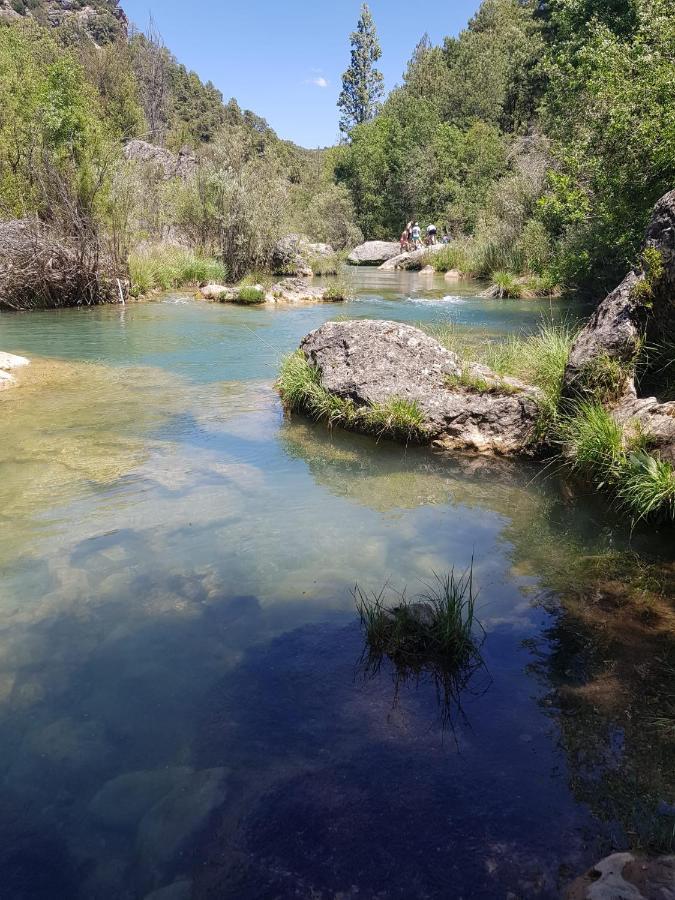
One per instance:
(184, 710)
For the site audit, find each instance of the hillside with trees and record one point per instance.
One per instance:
(540, 138)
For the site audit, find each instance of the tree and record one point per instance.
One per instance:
(362, 84)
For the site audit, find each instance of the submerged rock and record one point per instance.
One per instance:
(374, 253)
(123, 801)
(626, 876)
(470, 407)
(177, 818)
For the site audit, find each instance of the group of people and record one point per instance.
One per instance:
(411, 239)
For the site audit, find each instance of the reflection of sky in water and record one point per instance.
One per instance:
(186, 614)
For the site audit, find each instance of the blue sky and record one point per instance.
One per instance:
(284, 60)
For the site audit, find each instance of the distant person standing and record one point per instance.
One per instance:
(416, 236)
(432, 231)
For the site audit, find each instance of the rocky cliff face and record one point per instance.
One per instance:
(102, 20)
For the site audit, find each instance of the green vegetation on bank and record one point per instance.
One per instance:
(163, 268)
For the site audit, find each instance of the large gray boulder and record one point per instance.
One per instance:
(167, 164)
(373, 253)
(464, 407)
(292, 255)
(414, 259)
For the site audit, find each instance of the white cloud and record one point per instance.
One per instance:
(319, 81)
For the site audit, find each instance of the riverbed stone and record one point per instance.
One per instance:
(177, 818)
(373, 253)
(373, 362)
(123, 801)
(627, 876)
(216, 292)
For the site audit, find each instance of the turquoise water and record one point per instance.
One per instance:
(181, 700)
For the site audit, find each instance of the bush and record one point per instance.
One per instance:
(337, 290)
(325, 265)
(505, 286)
(249, 295)
(166, 268)
(593, 442)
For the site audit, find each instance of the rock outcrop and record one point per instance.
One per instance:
(470, 408)
(415, 259)
(167, 164)
(641, 308)
(626, 876)
(373, 253)
(103, 20)
(301, 290)
(292, 255)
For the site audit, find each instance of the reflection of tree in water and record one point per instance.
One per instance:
(613, 697)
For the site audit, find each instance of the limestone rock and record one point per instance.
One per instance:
(372, 362)
(654, 418)
(167, 164)
(292, 253)
(412, 260)
(374, 253)
(301, 290)
(625, 876)
(216, 292)
(6, 380)
(616, 328)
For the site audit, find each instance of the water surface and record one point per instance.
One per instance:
(181, 701)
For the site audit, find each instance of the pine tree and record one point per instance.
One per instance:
(362, 83)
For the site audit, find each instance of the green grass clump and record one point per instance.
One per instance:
(452, 257)
(300, 387)
(166, 268)
(440, 625)
(337, 290)
(325, 265)
(505, 286)
(646, 488)
(593, 442)
(602, 379)
(249, 296)
(476, 384)
(398, 418)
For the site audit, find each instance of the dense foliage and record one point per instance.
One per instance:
(544, 133)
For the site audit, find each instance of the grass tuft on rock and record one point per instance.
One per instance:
(440, 625)
(300, 388)
(646, 488)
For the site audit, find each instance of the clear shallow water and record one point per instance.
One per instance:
(180, 693)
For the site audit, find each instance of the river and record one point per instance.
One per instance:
(182, 701)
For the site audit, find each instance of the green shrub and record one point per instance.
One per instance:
(166, 268)
(249, 295)
(325, 265)
(337, 290)
(451, 257)
(535, 246)
(646, 488)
